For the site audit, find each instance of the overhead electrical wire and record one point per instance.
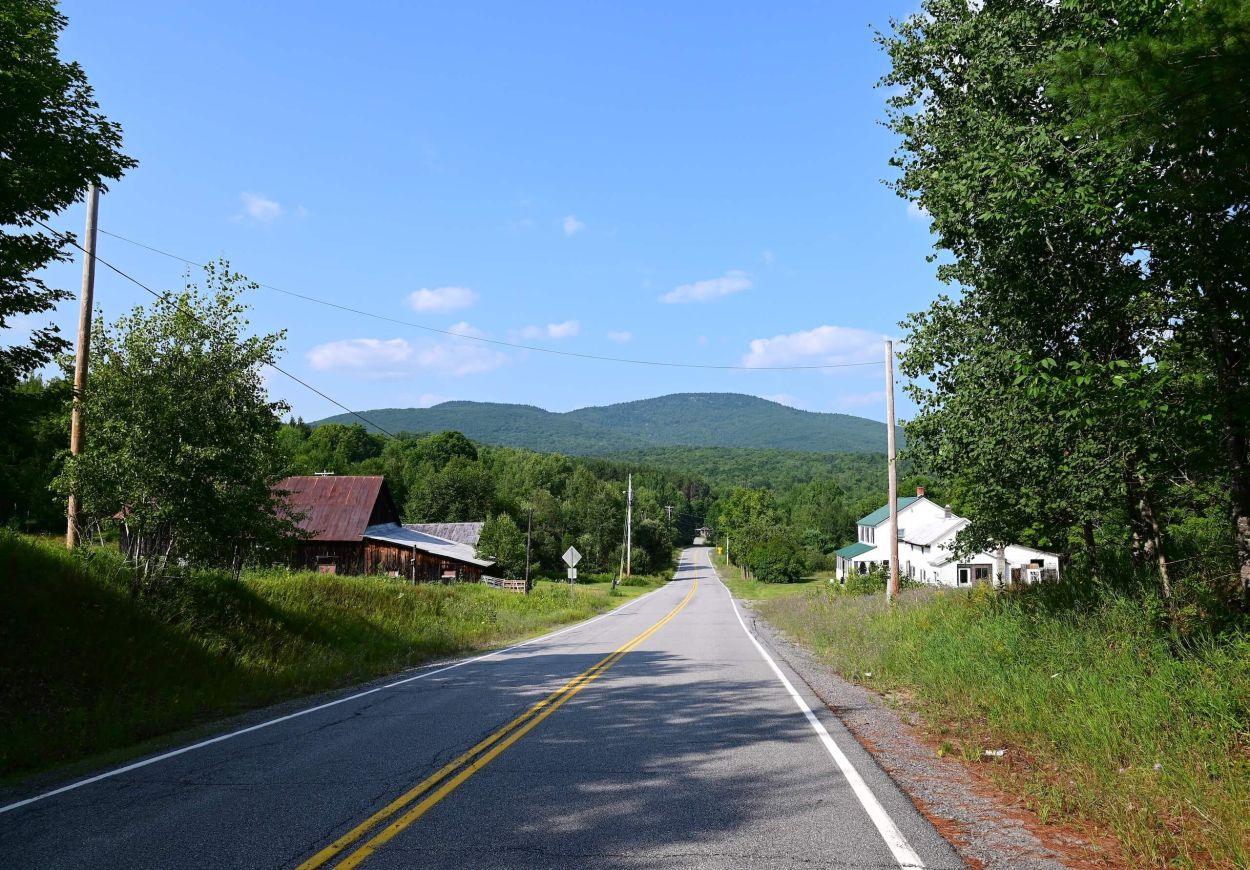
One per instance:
(498, 342)
(166, 296)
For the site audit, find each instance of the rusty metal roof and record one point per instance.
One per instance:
(335, 508)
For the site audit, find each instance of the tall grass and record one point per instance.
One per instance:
(87, 667)
(1105, 716)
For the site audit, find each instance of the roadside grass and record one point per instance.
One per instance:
(1105, 717)
(86, 668)
(754, 590)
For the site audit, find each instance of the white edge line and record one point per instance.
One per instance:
(220, 737)
(903, 853)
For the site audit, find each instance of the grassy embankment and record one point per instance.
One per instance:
(1107, 717)
(88, 669)
(752, 589)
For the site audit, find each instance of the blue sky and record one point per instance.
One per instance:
(696, 182)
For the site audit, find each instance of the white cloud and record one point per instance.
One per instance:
(705, 291)
(620, 336)
(824, 345)
(552, 330)
(397, 357)
(427, 400)
(572, 225)
(441, 298)
(916, 212)
(463, 328)
(767, 256)
(567, 329)
(258, 208)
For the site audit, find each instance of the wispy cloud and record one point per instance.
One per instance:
(767, 256)
(916, 212)
(398, 358)
(824, 345)
(572, 225)
(731, 282)
(259, 209)
(567, 329)
(620, 336)
(441, 298)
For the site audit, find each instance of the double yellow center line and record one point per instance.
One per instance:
(406, 808)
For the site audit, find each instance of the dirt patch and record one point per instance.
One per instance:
(991, 829)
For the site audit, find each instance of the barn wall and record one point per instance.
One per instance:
(375, 557)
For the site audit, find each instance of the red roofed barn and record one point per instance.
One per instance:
(353, 528)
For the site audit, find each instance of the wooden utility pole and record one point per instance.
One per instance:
(891, 589)
(629, 526)
(83, 353)
(529, 532)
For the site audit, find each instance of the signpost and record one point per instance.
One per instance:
(571, 558)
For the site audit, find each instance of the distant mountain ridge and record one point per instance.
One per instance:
(677, 420)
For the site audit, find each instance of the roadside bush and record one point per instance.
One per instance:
(776, 560)
(872, 583)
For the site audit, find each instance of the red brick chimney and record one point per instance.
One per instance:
(920, 492)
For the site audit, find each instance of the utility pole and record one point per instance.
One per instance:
(629, 526)
(82, 355)
(529, 533)
(891, 589)
(668, 509)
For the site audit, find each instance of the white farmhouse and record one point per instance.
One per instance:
(926, 535)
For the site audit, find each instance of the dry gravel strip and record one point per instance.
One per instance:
(976, 820)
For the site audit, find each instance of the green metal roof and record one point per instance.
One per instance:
(881, 514)
(850, 551)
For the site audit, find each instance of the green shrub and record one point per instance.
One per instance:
(776, 560)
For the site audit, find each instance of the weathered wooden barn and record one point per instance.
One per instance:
(352, 527)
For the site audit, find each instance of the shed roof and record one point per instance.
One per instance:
(394, 533)
(881, 514)
(850, 551)
(334, 508)
(461, 533)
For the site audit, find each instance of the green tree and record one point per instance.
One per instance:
(503, 542)
(182, 437)
(54, 142)
(461, 491)
(776, 559)
(32, 439)
(1170, 92)
(1052, 279)
(748, 516)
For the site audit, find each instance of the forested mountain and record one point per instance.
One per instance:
(681, 419)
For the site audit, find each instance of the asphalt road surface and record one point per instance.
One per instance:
(659, 735)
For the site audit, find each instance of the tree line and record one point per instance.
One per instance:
(1084, 168)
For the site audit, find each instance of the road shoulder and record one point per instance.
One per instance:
(982, 823)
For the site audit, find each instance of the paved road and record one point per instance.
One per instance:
(659, 735)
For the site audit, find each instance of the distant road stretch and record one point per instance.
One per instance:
(663, 734)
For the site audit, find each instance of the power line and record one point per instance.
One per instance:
(166, 296)
(513, 345)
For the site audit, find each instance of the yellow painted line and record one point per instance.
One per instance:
(513, 731)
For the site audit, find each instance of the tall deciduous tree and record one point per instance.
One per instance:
(184, 438)
(53, 143)
(1172, 94)
(1041, 391)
